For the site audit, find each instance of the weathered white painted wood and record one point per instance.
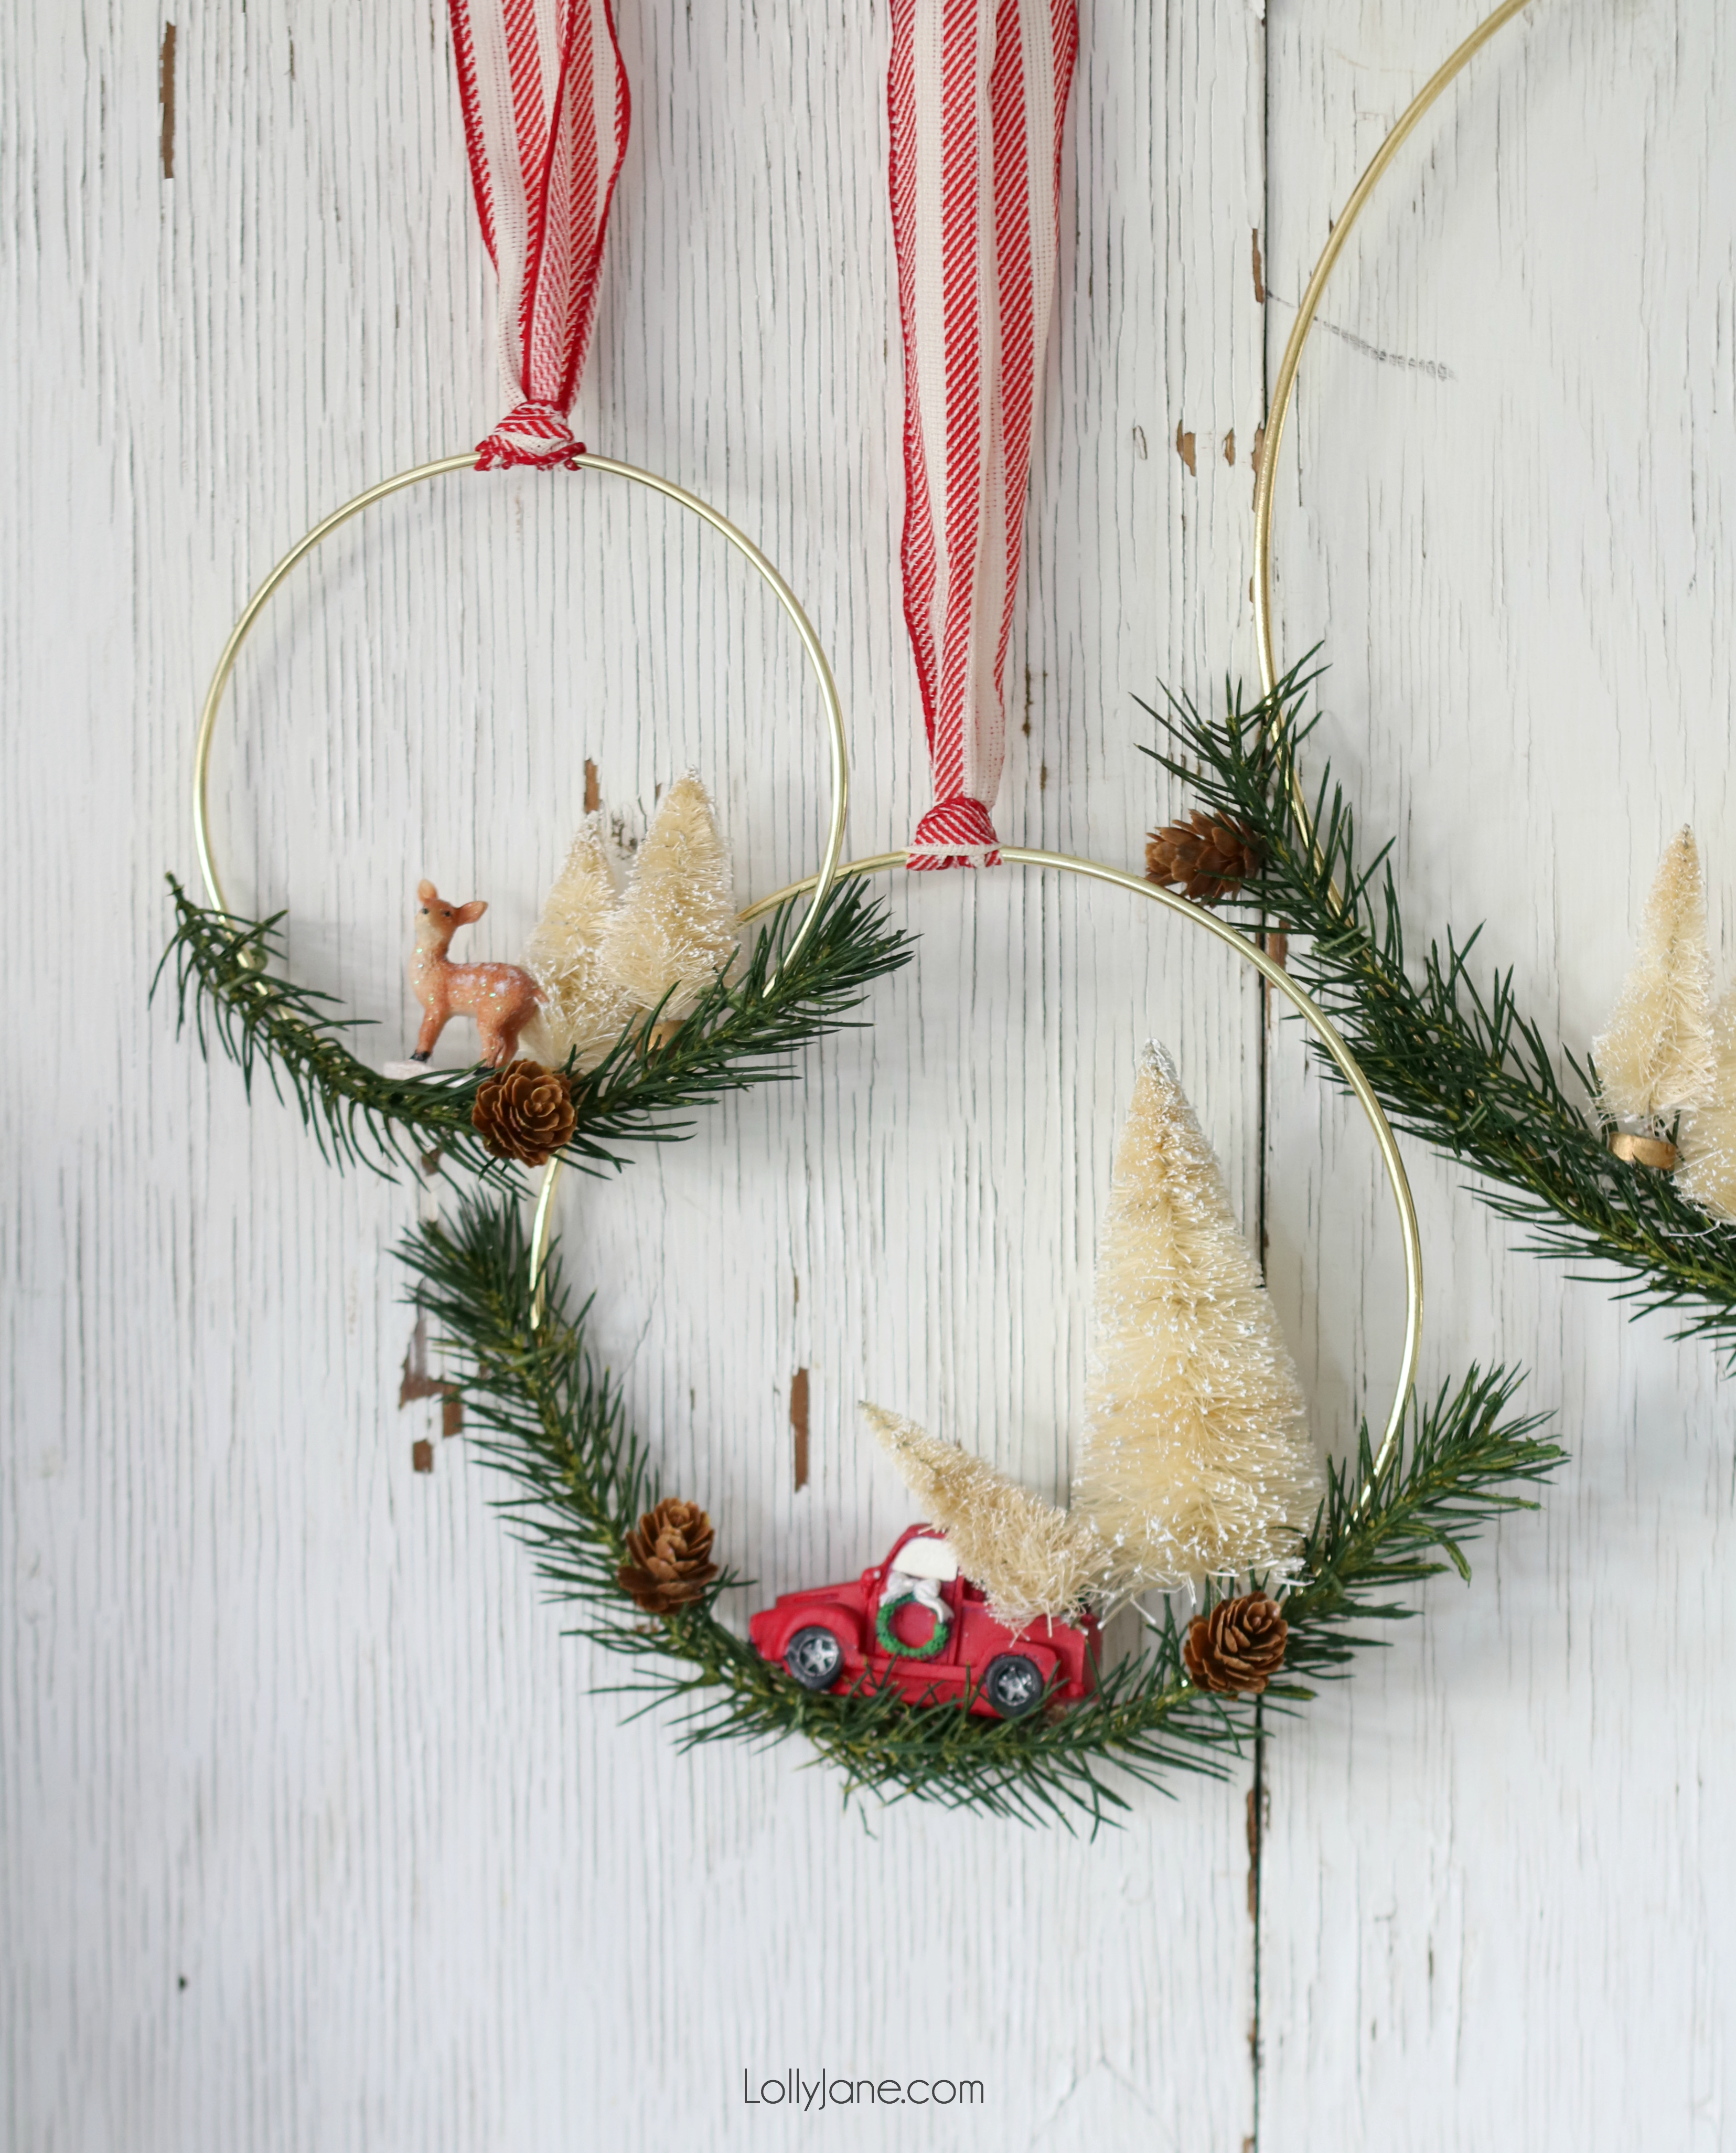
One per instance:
(1497, 1884)
(313, 1834)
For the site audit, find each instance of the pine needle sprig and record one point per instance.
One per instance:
(1463, 1464)
(549, 1421)
(539, 1408)
(746, 1027)
(746, 1030)
(1449, 1052)
(226, 989)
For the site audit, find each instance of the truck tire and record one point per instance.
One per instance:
(814, 1658)
(1012, 1684)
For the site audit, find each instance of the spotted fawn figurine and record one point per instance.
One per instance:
(500, 997)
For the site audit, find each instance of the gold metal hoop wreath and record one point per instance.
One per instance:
(1010, 1766)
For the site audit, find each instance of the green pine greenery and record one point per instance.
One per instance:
(1451, 1056)
(744, 1031)
(539, 1409)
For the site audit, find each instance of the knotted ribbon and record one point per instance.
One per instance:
(977, 95)
(547, 110)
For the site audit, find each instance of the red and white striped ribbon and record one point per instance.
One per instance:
(978, 93)
(547, 110)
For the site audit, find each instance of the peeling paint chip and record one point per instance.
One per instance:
(593, 790)
(798, 1425)
(1185, 448)
(416, 1383)
(165, 98)
(422, 1455)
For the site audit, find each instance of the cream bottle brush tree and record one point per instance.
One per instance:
(601, 957)
(1706, 1173)
(1030, 1558)
(675, 929)
(1655, 1060)
(1666, 1064)
(584, 1007)
(1195, 1458)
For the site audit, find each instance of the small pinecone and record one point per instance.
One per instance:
(669, 1553)
(1204, 858)
(1238, 1647)
(524, 1111)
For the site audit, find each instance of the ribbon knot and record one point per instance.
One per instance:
(955, 833)
(533, 434)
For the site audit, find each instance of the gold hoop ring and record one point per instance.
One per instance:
(1284, 389)
(821, 883)
(1274, 975)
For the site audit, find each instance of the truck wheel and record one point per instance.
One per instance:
(815, 1658)
(1012, 1684)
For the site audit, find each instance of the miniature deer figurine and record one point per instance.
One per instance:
(500, 997)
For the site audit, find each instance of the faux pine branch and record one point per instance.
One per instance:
(224, 988)
(744, 1031)
(547, 1418)
(1463, 1463)
(1450, 1054)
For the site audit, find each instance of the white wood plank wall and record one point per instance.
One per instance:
(312, 1831)
(1498, 1879)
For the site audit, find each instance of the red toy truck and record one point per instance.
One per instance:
(914, 1622)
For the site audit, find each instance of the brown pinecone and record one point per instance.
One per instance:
(1238, 1647)
(1204, 858)
(669, 1553)
(524, 1111)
